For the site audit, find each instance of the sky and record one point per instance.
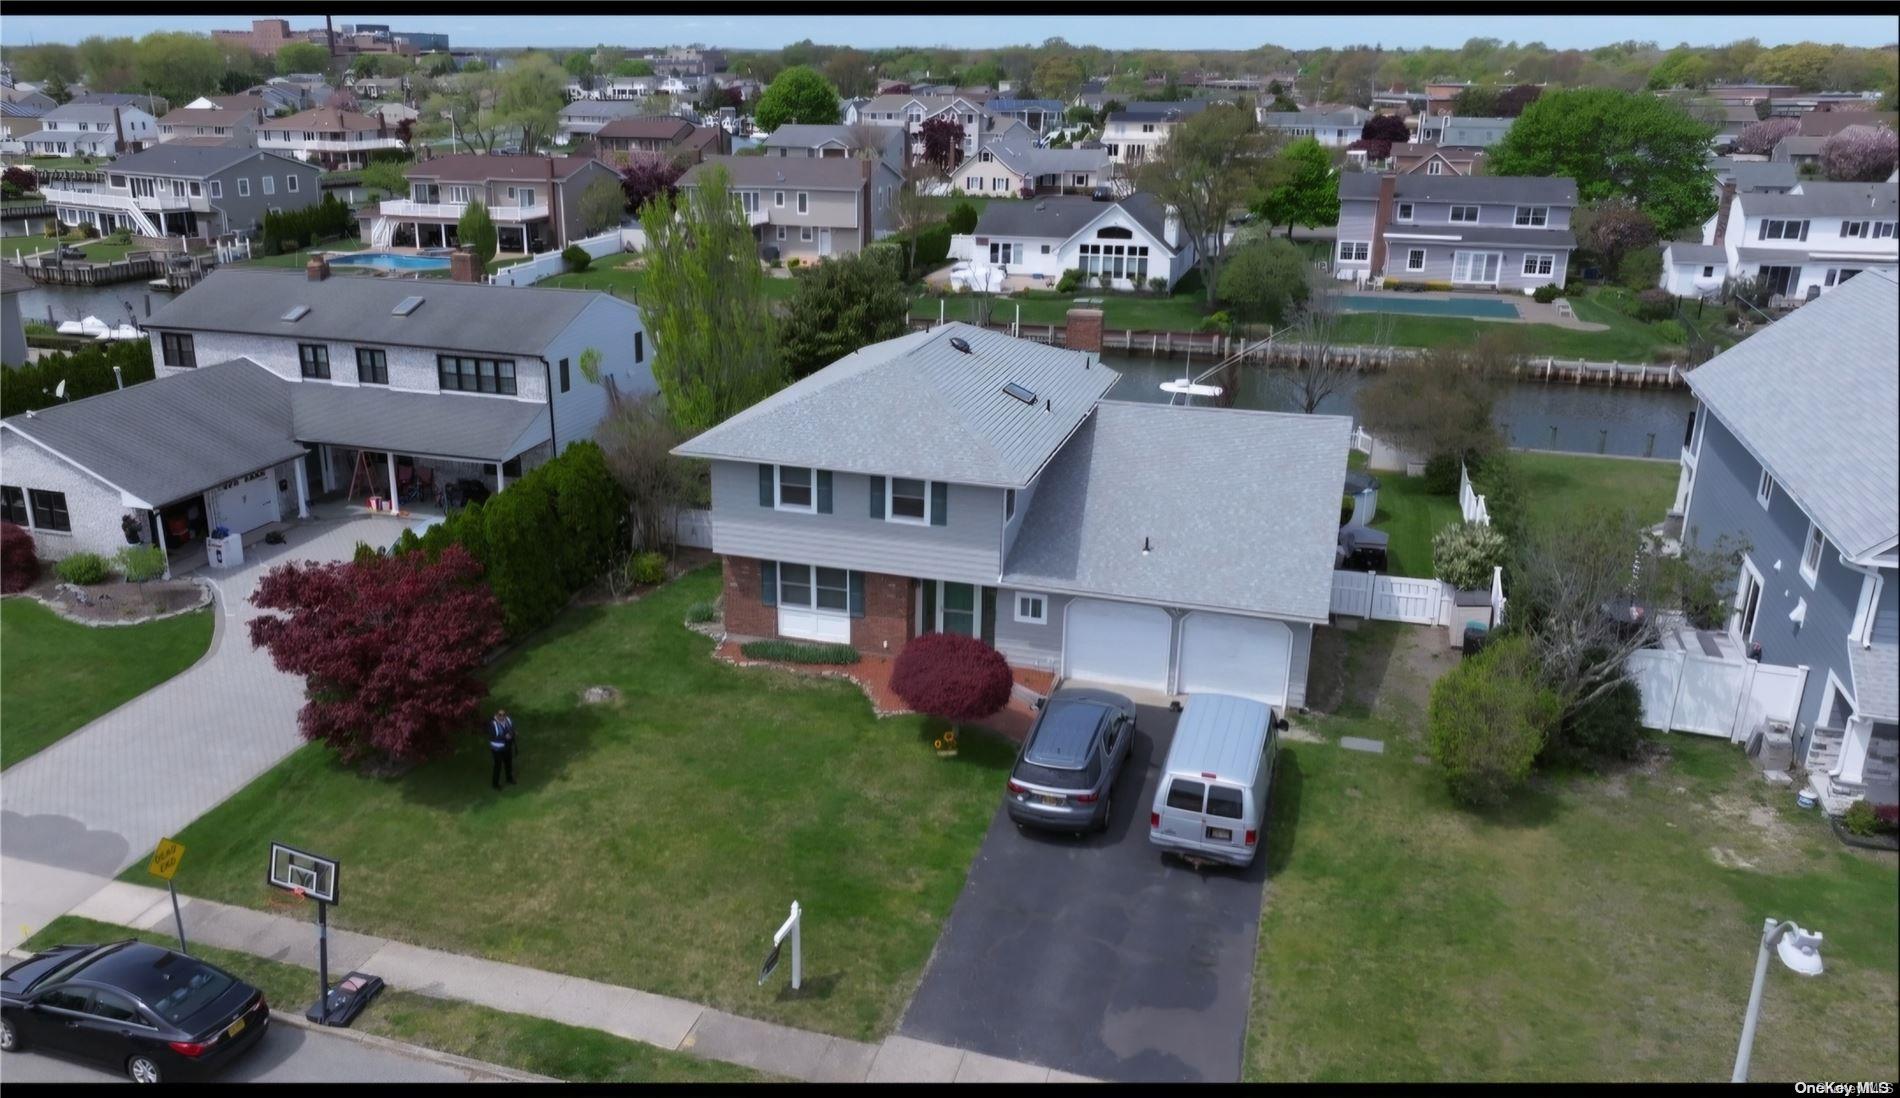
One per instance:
(985, 30)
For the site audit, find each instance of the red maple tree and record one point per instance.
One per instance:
(388, 647)
(19, 559)
(951, 676)
(943, 141)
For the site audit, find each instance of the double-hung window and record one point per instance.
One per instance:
(1532, 217)
(795, 489)
(49, 511)
(1764, 489)
(1464, 214)
(244, 187)
(290, 182)
(177, 349)
(778, 199)
(804, 202)
(458, 373)
(1811, 554)
(1354, 251)
(372, 366)
(1539, 264)
(1404, 213)
(13, 505)
(908, 500)
(1031, 609)
(1415, 259)
(314, 358)
(270, 184)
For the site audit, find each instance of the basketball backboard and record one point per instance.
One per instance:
(296, 870)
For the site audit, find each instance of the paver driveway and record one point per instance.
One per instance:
(1097, 956)
(81, 811)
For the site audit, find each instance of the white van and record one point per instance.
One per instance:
(1211, 802)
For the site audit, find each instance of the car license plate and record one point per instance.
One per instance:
(237, 1027)
(1053, 801)
(1222, 833)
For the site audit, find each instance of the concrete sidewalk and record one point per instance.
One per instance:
(624, 1012)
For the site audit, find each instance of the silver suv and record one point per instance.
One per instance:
(1064, 778)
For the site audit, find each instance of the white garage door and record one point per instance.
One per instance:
(246, 506)
(1246, 657)
(1118, 642)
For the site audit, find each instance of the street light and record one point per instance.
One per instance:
(1800, 950)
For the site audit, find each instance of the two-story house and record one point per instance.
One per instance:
(1041, 116)
(278, 387)
(962, 481)
(1016, 167)
(211, 126)
(658, 135)
(579, 119)
(840, 142)
(1333, 129)
(1431, 158)
(1801, 243)
(92, 129)
(1132, 133)
(1474, 132)
(1794, 453)
(805, 208)
(336, 139)
(533, 200)
(178, 189)
(911, 111)
(1473, 232)
(1131, 242)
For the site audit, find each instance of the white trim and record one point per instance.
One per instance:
(1516, 211)
(1765, 488)
(1809, 546)
(778, 483)
(1402, 212)
(1550, 257)
(1454, 238)
(125, 497)
(890, 497)
(1866, 609)
(1741, 596)
(1411, 252)
(1041, 616)
(1361, 257)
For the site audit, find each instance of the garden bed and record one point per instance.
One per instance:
(119, 602)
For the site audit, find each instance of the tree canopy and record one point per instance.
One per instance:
(302, 57)
(1302, 187)
(1264, 282)
(842, 304)
(1205, 171)
(797, 95)
(476, 231)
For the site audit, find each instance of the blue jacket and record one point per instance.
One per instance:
(501, 735)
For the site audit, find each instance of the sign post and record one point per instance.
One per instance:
(164, 865)
(791, 926)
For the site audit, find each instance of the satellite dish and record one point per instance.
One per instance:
(957, 342)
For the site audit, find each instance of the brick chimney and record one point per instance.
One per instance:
(1388, 189)
(317, 269)
(464, 266)
(1721, 212)
(1082, 330)
(118, 131)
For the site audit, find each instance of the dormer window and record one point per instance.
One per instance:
(1532, 217)
(1467, 214)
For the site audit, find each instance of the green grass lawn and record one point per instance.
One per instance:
(1626, 340)
(1410, 516)
(518, 1041)
(298, 259)
(1559, 484)
(1597, 927)
(57, 675)
(617, 275)
(1140, 312)
(655, 842)
(99, 251)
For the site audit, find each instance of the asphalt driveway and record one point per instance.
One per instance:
(1097, 955)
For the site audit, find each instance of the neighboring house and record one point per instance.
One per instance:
(1009, 168)
(1758, 176)
(92, 129)
(178, 189)
(911, 111)
(917, 487)
(1473, 132)
(626, 87)
(21, 103)
(1434, 159)
(395, 114)
(1040, 115)
(1736, 117)
(1333, 129)
(659, 135)
(1132, 133)
(380, 87)
(12, 327)
(839, 142)
(274, 387)
(805, 207)
(1829, 123)
(534, 201)
(1803, 242)
(312, 90)
(223, 124)
(18, 119)
(153, 105)
(1792, 453)
(332, 138)
(1133, 241)
(1798, 151)
(581, 118)
(1472, 232)
(1692, 269)
(1093, 94)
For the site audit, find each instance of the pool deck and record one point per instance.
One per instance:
(1529, 311)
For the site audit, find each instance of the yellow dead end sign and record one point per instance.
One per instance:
(166, 858)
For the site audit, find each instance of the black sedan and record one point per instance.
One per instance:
(157, 1014)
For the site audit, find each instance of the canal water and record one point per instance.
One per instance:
(1534, 415)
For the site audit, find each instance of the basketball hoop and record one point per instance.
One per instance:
(296, 891)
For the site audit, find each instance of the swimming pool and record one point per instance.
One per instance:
(390, 261)
(1431, 306)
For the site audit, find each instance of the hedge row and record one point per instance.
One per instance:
(797, 652)
(541, 539)
(87, 372)
(297, 229)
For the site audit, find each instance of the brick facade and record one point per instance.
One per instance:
(888, 608)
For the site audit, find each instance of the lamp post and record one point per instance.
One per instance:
(1800, 950)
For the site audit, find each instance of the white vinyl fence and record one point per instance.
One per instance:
(548, 264)
(1470, 503)
(1684, 692)
(1390, 598)
(693, 528)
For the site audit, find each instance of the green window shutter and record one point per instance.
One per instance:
(939, 503)
(877, 497)
(768, 581)
(930, 607)
(989, 616)
(857, 594)
(765, 486)
(824, 491)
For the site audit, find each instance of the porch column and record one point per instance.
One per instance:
(392, 481)
(1851, 769)
(501, 479)
(303, 490)
(158, 523)
(329, 478)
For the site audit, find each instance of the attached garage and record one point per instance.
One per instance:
(1228, 654)
(1117, 642)
(245, 504)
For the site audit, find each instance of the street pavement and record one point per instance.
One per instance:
(79, 812)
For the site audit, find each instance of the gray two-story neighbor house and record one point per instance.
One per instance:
(277, 387)
(177, 189)
(1795, 451)
(1480, 232)
(960, 480)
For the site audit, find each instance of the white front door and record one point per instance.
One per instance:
(814, 603)
(1245, 657)
(1117, 642)
(824, 241)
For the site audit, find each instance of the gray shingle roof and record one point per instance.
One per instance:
(1817, 199)
(1689, 251)
(1413, 187)
(1815, 397)
(914, 406)
(1352, 116)
(604, 108)
(1059, 217)
(172, 158)
(1019, 154)
(454, 315)
(1261, 542)
(816, 172)
(166, 439)
(1150, 108)
(1483, 132)
(1757, 175)
(454, 425)
(1876, 681)
(81, 112)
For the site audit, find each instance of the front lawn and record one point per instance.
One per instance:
(616, 275)
(1625, 340)
(518, 1041)
(654, 842)
(1598, 927)
(98, 251)
(1179, 312)
(57, 675)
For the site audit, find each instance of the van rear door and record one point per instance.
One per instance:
(1226, 821)
(1182, 813)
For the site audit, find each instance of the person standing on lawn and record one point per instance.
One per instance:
(501, 747)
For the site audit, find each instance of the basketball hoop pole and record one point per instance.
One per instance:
(321, 1011)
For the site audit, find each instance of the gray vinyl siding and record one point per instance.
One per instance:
(1302, 660)
(1355, 223)
(572, 188)
(244, 213)
(1502, 214)
(1439, 257)
(1026, 644)
(1886, 612)
(1024, 497)
(1723, 502)
(608, 327)
(964, 550)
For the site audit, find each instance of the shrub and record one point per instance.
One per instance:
(1859, 819)
(933, 246)
(144, 562)
(1640, 269)
(793, 263)
(1547, 293)
(648, 568)
(1488, 720)
(86, 372)
(1609, 727)
(1672, 332)
(1655, 304)
(365, 553)
(796, 652)
(962, 219)
(951, 676)
(1464, 555)
(19, 559)
(1441, 474)
(1070, 279)
(575, 257)
(1501, 482)
(1158, 284)
(84, 569)
(702, 611)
